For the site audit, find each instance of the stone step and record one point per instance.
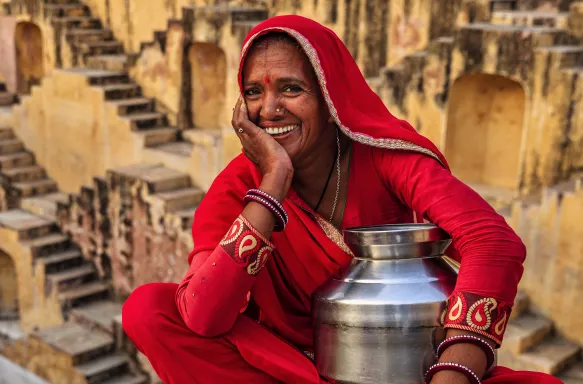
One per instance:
(6, 98)
(103, 47)
(573, 375)
(521, 303)
(133, 105)
(104, 368)
(181, 199)
(34, 188)
(16, 160)
(158, 178)
(569, 55)
(85, 22)
(61, 1)
(11, 146)
(525, 332)
(178, 148)
(83, 294)
(120, 91)
(143, 121)
(103, 77)
(186, 217)
(23, 174)
(100, 314)
(121, 62)
(6, 133)
(539, 36)
(48, 245)
(551, 356)
(60, 261)
(86, 35)
(27, 225)
(80, 343)
(45, 205)
(158, 136)
(66, 10)
(128, 379)
(71, 277)
(530, 18)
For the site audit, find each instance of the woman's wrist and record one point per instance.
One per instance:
(277, 183)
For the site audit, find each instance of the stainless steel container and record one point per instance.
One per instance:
(380, 321)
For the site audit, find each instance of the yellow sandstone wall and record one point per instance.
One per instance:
(553, 277)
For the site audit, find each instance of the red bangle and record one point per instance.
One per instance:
(472, 377)
(279, 220)
(271, 199)
(468, 339)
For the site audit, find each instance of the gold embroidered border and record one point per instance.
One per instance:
(333, 234)
(358, 137)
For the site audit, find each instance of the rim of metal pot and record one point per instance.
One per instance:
(394, 234)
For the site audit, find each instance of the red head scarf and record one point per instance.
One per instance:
(355, 107)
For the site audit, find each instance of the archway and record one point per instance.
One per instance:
(29, 56)
(485, 122)
(8, 288)
(209, 78)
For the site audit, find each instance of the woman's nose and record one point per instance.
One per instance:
(271, 108)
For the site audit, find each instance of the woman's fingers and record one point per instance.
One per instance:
(235, 118)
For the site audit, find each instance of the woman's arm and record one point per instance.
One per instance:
(231, 239)
(491, 253)
(216, 287)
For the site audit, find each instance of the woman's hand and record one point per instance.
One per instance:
(262, 149)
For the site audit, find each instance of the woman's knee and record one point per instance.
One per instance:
(147, 307)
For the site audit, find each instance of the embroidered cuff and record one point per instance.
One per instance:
(482, 315)
(246, 246)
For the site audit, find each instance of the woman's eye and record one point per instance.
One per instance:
(251, 92)
(292, 89)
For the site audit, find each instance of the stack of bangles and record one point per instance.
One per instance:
(462, 339)
(271, 204)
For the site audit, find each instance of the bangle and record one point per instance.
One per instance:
(472, 377)
(469, 339)
(280, 222)
(271, 199)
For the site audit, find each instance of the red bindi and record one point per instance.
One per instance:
(266, 79)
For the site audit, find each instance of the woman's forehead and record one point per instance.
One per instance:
(279, 59)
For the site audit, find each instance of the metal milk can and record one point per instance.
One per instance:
(380, 321)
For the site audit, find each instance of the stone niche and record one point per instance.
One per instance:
(485, 124)
(8, 287)
(209, 79)
(29, 55)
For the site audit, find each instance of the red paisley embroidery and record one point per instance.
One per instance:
(246, 245)
(233, 232)
(482, 315)
(457, 309)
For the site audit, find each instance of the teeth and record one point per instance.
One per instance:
(280, 130)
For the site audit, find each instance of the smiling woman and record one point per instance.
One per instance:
(321, 154)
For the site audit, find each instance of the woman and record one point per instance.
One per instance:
(321, 153)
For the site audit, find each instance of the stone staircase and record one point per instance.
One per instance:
(532, 344)
(6, 98)
(96, 54)
(20, 176)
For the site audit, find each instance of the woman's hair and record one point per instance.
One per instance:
(274, 37)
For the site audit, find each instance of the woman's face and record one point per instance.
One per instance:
(283, 97)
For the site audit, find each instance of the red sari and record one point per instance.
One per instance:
(201, 336)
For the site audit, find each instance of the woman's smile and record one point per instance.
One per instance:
(282, 132)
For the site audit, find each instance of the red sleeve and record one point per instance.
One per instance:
(227, 255)
(491, 253)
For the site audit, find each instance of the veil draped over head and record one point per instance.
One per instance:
(356, 109)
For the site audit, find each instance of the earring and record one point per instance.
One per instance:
(277, 110)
